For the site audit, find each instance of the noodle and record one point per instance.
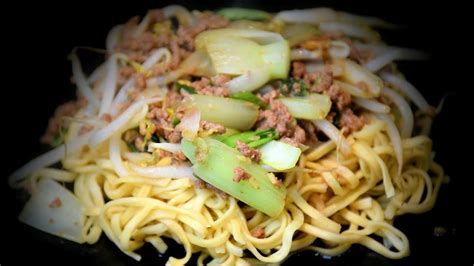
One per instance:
(343, 191)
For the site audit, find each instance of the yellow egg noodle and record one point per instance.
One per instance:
(343, 191)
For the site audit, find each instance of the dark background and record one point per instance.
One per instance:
(38, 37)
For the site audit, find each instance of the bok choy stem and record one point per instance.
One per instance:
(215, 163)
(232, 113)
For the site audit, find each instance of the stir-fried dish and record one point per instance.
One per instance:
(242, 135)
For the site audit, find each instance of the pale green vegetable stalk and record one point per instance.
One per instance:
(235, 13)
(214, 162)
(55, 210)
(311, 107)
(259, 56)
(279, 155)
(237, 114)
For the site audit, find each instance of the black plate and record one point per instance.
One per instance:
(52, 31)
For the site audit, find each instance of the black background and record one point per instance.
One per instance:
(38, 37)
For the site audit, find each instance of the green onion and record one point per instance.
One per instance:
(232, 113)
(175, 121)
(311, 107)
(132, 146)
(279, 155)
(214, 162)
(249, 97)
(252, 138)
(155, 138)
(180, 86)
(129, 136)
(59, 137)
(235, 13)
(287, 87)
(228, 132)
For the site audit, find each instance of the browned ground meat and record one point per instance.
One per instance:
(320, 81)
(68, 109)
(181, 43)
(206, 20)
(180, 156)
(334, 35)
(204, 86)
(177, 53)
(162, 119)
(56, 203)
(246, 151)
(201, 185)
(289, 141)
(258, 232)
(140, 81)
(161, 115)
(211, 127)
(270, 96)
(351, 122)
(317, 43)
(106, 117)
(298, 70)
(177, 158)
(310, 131)
(173, 99)
(338, 96)
(322, 43)
(139, 142)
(84, 129)
(240, 174)
(299, 137)
(125, 73)
(278, 118)
(220, 79)
(359, 55)
(134, 137)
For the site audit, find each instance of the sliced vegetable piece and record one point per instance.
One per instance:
(277, 59)
(279, 155)
(234, 55)
(215, 163)
(252, 138)
(197, 63)
(235, 13)
(171, 147)
(311, 107)
(359, 76)
(232, 113)
(189, 125)
(257, 55)
(249, 81)
(55, 210)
